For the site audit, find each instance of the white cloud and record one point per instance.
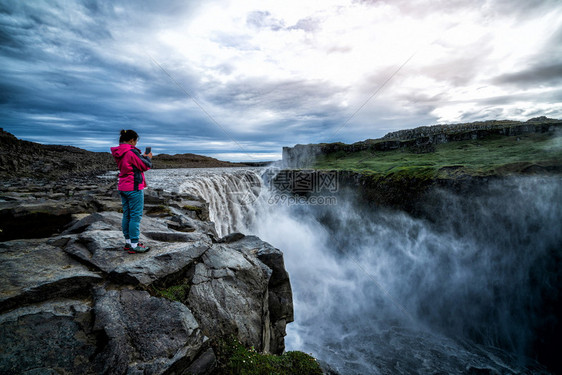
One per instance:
(351, 42)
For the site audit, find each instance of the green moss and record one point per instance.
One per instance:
(177, 293)
(192, 208)
(234, 359)
(495, 155)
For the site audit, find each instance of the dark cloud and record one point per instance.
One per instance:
(459, 71)
(547, 97)
(533, 76)
(287, 95)
(57, 78)
(78, 72)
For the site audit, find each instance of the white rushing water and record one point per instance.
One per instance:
(380, 292)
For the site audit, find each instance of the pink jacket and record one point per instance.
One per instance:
(131, 167)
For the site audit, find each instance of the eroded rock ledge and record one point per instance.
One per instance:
(77, 303)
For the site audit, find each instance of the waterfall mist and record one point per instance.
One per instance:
(474, 286)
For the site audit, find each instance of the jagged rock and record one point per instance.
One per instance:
(185, 223)
(32, 271)
(280, 296)
(229, 286)
(227, 295)
(145, 334)
(80, 304)
(180, 224)
(204, 364)
(232, 237)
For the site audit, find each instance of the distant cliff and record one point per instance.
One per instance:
(402, 168)
(422, 139)
(20, 158)
(164, 161)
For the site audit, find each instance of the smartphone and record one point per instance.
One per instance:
(147, 151)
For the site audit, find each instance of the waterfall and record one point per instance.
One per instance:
(381, 292)
(230, 193)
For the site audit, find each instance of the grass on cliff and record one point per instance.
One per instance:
(495, 155)
(177, 293)
(234, 359)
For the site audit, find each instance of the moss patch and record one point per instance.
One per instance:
(193, 208)
(234, 359)
(177, 293)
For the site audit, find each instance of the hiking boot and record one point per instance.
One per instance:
(127, 247)
(139, 249)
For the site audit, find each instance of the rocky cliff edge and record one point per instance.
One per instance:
(73, 301)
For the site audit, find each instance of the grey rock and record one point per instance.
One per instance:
(229, 295)
(145, 335)
(173, 236)
(59, 287)
(180, 225)
(112, 221)
(232, 237)
(161, 261)
(280, 297)
(101, 246)
(50, 338)
(32, 271)
(203, 365)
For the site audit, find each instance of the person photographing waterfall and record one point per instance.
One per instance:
(132, 165)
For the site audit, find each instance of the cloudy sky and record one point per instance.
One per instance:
(240, 79)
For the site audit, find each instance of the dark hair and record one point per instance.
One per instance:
(127, 135)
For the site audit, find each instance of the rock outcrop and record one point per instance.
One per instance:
(77, 303)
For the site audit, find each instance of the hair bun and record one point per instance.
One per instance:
(123, 132)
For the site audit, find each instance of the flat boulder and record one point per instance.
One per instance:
(33, 271)
(99, 243)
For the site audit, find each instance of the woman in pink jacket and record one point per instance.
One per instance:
(131, 183)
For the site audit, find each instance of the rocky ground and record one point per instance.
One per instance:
(73, 301)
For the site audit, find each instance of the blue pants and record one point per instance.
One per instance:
(133, 203)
